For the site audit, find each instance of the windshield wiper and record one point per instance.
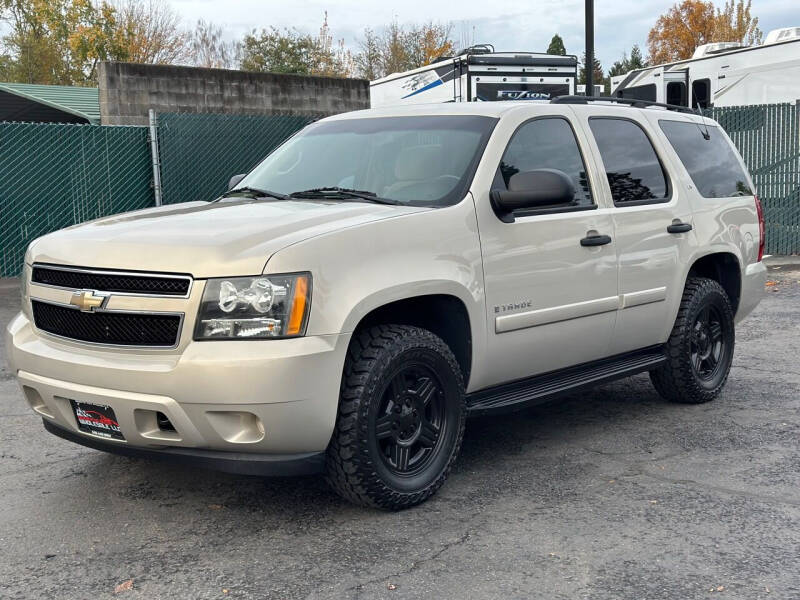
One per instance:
(339, 193)
(255, 192)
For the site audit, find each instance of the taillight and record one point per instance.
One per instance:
(761, 229)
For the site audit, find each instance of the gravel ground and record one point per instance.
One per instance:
(606, 494)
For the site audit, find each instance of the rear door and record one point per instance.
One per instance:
(551, 301)
(652, 219)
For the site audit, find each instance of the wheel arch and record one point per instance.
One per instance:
(724, 267)
(443, 312)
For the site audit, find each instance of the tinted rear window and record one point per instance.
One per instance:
(632, 167)
(712, 163)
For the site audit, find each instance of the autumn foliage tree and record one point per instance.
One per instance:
(692, 23)
(734, 23)
(61, 41)
(398, 47)
(151, 32)
(678, 32)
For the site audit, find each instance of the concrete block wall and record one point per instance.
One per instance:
(128, 91)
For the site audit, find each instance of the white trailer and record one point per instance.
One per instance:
(722, 74)
(480, 74)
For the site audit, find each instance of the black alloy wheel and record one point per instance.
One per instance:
(700, 348)
(410, 420)
(401, 418)
(707, 343)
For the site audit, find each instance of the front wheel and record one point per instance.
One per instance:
(700, 348)
(401, 418)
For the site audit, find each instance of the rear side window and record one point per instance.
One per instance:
(632, 167)
(547, 144)
(712, 163)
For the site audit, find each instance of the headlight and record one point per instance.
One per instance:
(274, 306)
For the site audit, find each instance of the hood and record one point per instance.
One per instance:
(227, 238)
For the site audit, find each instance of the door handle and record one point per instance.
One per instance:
(596, 240)
(679, 227)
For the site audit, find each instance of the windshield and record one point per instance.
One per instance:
(421, 160)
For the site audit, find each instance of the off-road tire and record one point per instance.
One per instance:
(355, 468)
(677, 380)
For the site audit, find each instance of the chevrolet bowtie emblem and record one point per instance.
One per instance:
(88, 300)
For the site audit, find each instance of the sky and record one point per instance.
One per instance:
(508, 24)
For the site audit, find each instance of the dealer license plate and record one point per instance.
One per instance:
(97, 419)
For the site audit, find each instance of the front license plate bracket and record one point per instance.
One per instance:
(97, 419)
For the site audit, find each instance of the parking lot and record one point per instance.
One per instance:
(607, 494)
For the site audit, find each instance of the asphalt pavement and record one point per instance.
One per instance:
(612, 494)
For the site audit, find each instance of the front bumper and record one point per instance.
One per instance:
(268, 397)
(241, 463)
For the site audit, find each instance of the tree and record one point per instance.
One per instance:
(734, 23)
(399, 47)
(628, 63)
(680, 30)
(150, 32)
(290, 51)
(395, 55)
(636, 60)
(619, 67)
(208, 48)
(56, 41)
(597, 71)
(61, 41)
(275, 51)
(557, 46)
(427, 42)
(369, 60)
(331, 58)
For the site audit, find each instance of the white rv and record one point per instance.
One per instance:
(480, 74)
(722, 74)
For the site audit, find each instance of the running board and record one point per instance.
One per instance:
(541, 388)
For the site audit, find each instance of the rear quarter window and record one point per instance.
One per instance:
(712, 163)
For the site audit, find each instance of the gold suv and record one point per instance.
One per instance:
(384, 274)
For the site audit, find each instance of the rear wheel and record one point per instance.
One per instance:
(700, 348)
(401, 418)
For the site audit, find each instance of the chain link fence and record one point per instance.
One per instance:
(768, 138)
(54, 175)
(200, 152)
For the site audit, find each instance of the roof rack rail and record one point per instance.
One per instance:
(626, 101)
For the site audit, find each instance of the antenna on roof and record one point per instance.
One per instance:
(705, 132)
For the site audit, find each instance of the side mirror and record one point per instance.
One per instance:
(234, 181)
(542, 188)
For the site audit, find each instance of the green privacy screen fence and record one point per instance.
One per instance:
(52, 176)
(200, 152)
(768, 137)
